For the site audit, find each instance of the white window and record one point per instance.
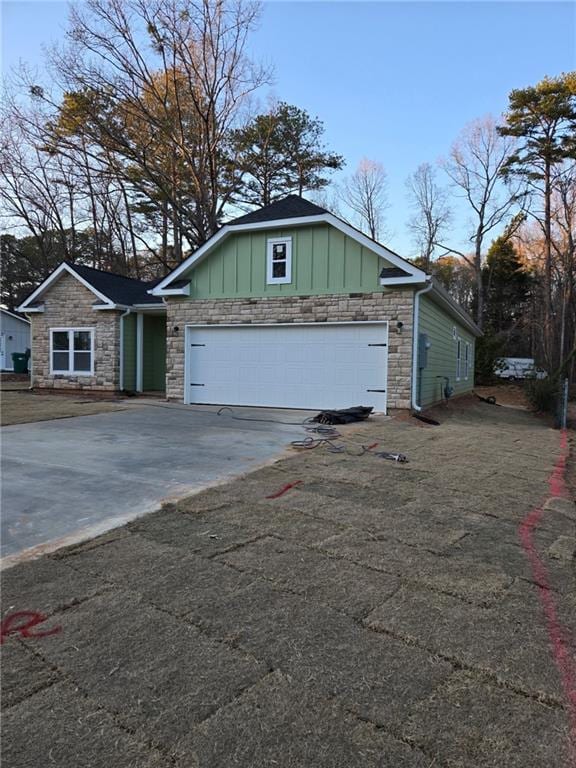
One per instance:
(72, 351)
(458, 359)
(466, 360)
(279, 261)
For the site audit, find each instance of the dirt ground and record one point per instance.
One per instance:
(330, 610)
(18, 405)
(506, 394)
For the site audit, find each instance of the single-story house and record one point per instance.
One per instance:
(14, 337)
(287, 306)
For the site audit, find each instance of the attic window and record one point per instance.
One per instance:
(279, 261)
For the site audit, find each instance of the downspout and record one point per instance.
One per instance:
(122, 316)
(415, 331)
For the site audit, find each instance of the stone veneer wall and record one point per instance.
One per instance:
(69, 304)
(392, 305)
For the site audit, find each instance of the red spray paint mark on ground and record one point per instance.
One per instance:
(371, 447)
(560, 637)
(22, 622)
(283, 490)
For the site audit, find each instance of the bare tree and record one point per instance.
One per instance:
(431, 211)
(563, 232)
(365, 193)
(475, 166)
(158, 85)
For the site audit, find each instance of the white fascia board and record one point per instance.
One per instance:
(411, 280)
(53, 277)
(30, 310)
(298, 221)
(143, 307)
(185, 291)
(16, 317)
(110, 306)
(301, 221)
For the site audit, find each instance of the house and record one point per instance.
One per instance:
(14, 337)
(93, 330)
(287, 306)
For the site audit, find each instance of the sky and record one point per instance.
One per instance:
(394, 82)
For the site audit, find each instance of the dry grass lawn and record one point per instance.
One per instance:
(18, 405)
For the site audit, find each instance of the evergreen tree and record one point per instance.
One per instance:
(280, 153)
(506, 285)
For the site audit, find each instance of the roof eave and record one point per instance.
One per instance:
(454, 308)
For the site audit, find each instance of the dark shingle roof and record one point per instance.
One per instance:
(288, 208)
(119, 289)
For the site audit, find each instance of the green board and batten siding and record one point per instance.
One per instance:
(154, 353)
(324, 260)
(153, 349)
(443, 354)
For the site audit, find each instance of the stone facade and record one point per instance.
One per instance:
(392, 305)
(68, 304)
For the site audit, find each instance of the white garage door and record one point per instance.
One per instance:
(322, 365)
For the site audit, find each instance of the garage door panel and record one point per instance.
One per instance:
(296, 366)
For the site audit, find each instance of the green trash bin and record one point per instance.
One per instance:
(20, 362)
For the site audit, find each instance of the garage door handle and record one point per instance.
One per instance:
(377, 345)
(197, 385)
(197, 345)
(375, 390)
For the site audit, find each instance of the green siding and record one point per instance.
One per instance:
(324, 260)
(154, 353)
(129, 346)
(442, 355)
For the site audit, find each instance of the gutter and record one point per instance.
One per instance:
(415, 324)
(122, 316)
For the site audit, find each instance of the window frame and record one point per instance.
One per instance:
(270, 279)
(466, 360)
(458, 358)
(71, 330)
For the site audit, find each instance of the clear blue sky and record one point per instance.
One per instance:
(392, 81)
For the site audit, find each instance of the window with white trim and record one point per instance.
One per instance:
(467, 360)
(458, 359)
(72, 351)
(279, 261)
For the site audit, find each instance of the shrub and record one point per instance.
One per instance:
(489, 351)
(542, 393)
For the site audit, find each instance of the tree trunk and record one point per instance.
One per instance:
(548, 264)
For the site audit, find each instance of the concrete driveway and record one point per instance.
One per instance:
(73, 478)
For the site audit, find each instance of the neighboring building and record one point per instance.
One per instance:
(287, 306)
(14, 337)
(97, 331)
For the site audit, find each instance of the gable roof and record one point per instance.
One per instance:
(288, 208)
(292, 211)
(119, 289)
(111, 289)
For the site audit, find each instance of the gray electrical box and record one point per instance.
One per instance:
(423, 347)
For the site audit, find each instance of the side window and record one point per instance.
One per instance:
(279, 261)
(458, 359)
(466, 360)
